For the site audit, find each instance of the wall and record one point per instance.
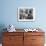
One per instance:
(9, 13)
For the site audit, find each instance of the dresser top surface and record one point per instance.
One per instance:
(22, 30)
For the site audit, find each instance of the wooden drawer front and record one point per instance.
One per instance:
(13, 33)
(8, 44)
(34, 41)
(13, 40)
(37, 39)
(5, 39)
(18, 44)
(27, 41)
(33, 33)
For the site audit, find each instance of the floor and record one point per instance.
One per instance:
(0, 44)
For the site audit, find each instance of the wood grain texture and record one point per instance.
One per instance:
(23, 39)
(13, 39)
(34, 39)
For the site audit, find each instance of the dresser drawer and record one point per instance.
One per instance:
(34, 33)
(13, 33)
(37, 39)
(13, 44)
(8, 45)
(12, 39)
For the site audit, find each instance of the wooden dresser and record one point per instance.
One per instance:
(23, 39)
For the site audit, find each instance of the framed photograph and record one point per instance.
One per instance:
(26, 14)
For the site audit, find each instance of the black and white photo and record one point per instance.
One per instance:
(26, 14)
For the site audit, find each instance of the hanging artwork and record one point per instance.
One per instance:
(26, 14)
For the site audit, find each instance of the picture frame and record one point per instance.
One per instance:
(26, 14)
